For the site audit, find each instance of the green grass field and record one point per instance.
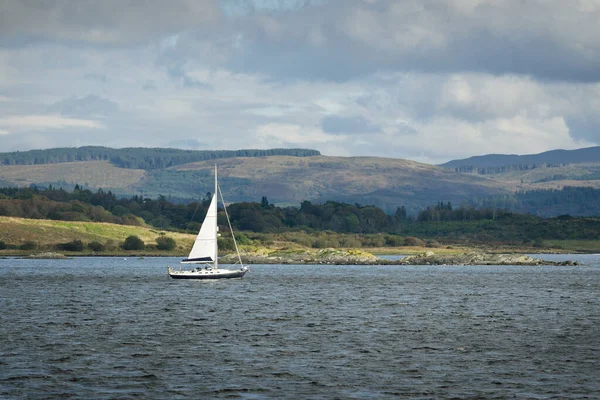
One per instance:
(47, 234)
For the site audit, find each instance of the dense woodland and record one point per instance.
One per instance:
(138, 157)
(440, 222)
(575, 201)
(501, 169)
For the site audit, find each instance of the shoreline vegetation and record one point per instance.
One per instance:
(359, 257)
(35, 238)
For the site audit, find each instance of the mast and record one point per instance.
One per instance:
(216, 224)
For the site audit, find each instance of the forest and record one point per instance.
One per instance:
(575, 201)
(139, 157)
(441, 221)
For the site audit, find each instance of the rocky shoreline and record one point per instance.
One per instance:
(48, 256)
(475, 258)
(357, 257)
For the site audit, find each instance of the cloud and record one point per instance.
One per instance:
(550, 40)
(356, 124)
(414, 79)
(42, 122)
(90, 106)
(110, 22)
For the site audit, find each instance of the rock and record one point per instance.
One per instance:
(305, 256)
(47, 255)
(475, 258)
(357, 257)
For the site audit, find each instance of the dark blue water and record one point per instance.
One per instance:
(114, 328)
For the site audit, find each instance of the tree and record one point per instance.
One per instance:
(96, 246)
(28, 245)
(165, 243)
(264, 203)
(74, 245)
(400, 214)
(133, 243)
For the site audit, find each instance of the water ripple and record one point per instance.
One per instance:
(110, 328)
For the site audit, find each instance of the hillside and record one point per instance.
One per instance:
(557, 157)
(284, 180)
(289, 177)
(549, 170)
(50, 233)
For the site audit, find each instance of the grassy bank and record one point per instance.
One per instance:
(46, 235)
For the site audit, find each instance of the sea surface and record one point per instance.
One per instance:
(115, 328)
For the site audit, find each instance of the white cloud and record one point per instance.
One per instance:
(411, 79)
(287, 133)
(41, 122)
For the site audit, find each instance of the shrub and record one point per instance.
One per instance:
(95, 246)
(133, 243)
(28, 245)
(74, 245)
(413, 241)
(165, 243)
(2, 245)
(393, 240)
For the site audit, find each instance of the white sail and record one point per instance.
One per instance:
(205, 246)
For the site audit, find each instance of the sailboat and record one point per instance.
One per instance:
(205, 250)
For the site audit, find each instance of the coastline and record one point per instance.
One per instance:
(331, 256)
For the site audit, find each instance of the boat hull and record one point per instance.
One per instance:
(208, 274)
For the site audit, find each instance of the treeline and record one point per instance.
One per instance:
(500, 169)
(139, 157)
(441, 221)
(574, 201)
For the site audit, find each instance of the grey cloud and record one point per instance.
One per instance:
(177, 72)
(106, 22)
(322, 40)
(149, 85)
(187, 144)
(88, 106)
(340, 43)
(351, 125)
(97, 77)
(194, 83)
(586, 127)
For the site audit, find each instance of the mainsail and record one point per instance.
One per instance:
(205, 246)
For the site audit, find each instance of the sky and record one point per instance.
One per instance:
(424, 80)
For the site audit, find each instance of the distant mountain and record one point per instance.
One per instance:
(553, 157)
(285, 179)
(554, 169)
(291, 176)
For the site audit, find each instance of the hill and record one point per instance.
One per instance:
(289, 177)
(555, 169)
(589, 155)
(138, 157)
(46, 234)
(284, 180)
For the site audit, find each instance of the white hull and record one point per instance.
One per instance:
(220, 273)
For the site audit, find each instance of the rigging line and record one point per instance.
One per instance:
(196, 210)
(230, 227)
